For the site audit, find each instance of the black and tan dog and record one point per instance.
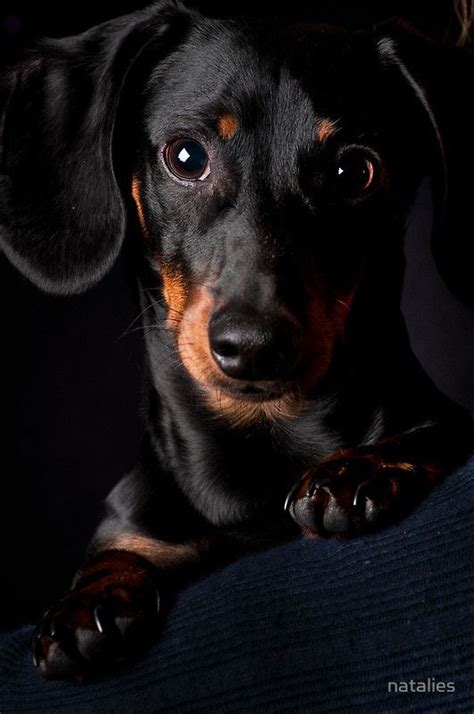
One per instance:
(263, 177)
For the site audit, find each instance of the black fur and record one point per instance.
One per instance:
(268, 235)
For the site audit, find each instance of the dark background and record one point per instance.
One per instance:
(24, 21)
(70, 370)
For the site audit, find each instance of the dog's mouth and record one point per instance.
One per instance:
(249, 403)
(254, 392)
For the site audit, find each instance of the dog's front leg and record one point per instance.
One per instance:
(112, 611)
(359, 490)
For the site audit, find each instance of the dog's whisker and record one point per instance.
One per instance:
(145, 309)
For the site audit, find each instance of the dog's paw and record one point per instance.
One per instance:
(109, 617)
(354, 494)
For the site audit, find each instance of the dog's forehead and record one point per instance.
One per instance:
(230, 67)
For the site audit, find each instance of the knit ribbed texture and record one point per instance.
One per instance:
(313, 626)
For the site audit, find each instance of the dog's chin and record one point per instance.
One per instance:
(254, 392)
(243, 405)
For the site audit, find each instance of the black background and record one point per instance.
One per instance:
(70, 376)
(24, 21)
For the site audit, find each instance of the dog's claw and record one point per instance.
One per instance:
(35, 648)
(355, 501)
(99, 618)
(289, 498)
(52, 628)
(43, 629)
(316, 485)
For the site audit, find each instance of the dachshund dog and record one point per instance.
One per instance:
(262, 177)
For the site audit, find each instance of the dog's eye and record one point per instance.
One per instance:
(356, 172)
(187, 159)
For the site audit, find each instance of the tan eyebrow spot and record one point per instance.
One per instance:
(325, 128)
(227, 126)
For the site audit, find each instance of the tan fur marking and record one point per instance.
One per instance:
(193, 341)
(401, 465)
(157, 552)
(227, 126)
(174, 292)
(325, 327)
(325, 128)
(241, 414)
(136, 187)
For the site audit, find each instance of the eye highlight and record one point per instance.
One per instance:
(187, 159)
(357, 172)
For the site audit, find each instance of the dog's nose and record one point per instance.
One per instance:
(253, 348)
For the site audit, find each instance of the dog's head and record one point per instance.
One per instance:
(272, 173)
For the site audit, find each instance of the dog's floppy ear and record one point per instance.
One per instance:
(62, 220)
(442, 80)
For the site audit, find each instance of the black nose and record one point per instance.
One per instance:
(253, 348)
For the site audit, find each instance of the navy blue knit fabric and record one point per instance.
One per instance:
(313, 626)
